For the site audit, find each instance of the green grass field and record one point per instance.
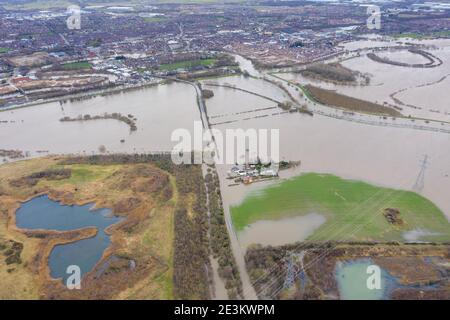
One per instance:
(76, 65)
(4, 50)
(187, 64)
(354, 209)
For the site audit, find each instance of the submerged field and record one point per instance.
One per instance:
(354, 210)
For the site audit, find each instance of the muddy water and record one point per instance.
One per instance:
(159, 110)
(247, 65)
(384, 156)
(403, 56)
(267, 233)
(416, 235)
(258, 86)
(419, 87)
(379, 155)
(220, 292)
(225, 111)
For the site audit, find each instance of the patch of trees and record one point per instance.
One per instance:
(220, 240)
(129, 120)
(267, 267)
(191, 251)
(32, 179)
(225, 60)
(11, 250)
(209, 73)
(331, 72)
(161, 159)
(13, 154)
(288, 164)
(207, 93)
(286, 105)
(259, 262)
(392, 215)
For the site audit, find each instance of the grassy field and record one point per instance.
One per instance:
(187, 64)
(76, 65)
(4, 50)
(354, 210)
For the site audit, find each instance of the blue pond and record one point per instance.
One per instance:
(46, 214)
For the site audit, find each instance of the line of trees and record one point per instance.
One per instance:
(220, 239)
(130, 120)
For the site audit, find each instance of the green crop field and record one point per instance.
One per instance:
(354, 209)
(187, 64)
(76, 65)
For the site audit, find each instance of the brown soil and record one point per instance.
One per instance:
(334, 99)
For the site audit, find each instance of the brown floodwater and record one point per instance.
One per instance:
(294, 230)
(421, 88)
(159, 110)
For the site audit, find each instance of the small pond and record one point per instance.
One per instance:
(45, 214)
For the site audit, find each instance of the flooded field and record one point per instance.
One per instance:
(294, 230)
(405, 87)
(382, 156)
(159, 110)
(389, 157)
(354, 211)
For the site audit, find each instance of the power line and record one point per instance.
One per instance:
(420, 180)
